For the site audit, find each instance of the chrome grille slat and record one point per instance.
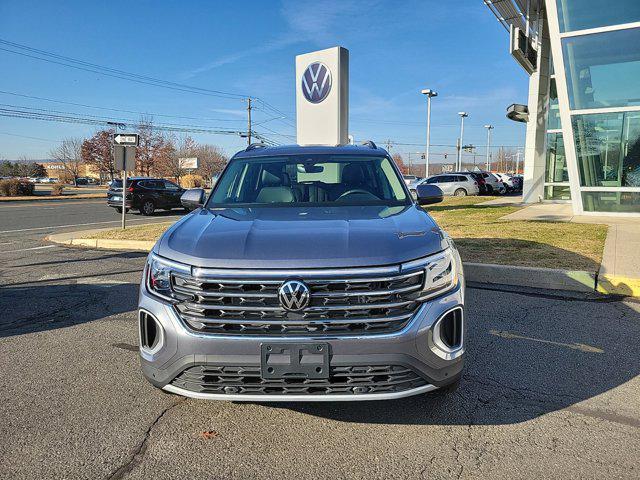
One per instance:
(347, 304)
(237, 321)
(347, 380)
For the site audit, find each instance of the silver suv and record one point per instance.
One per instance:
(457, 184)
(309, 274)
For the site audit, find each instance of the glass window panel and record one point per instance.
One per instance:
(556, 166)
(608, 149)
(581, 14)
(557, 192)
(621, 202)
(603, 69)
(553, 116)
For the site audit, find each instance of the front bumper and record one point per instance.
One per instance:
(412, 347)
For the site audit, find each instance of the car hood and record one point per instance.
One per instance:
(291, 237)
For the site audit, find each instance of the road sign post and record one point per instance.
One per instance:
(124, 159)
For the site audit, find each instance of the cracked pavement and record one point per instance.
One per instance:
(73, 403)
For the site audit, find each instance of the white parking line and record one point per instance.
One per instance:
(53, 227)
(27, 249)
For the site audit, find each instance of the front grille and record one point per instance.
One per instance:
(348, 380)
(351, 305)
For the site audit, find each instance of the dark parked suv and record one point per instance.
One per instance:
(309, 274)
(145, 194)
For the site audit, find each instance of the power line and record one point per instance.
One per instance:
(50, 57)
(84, 105)
(108, 71)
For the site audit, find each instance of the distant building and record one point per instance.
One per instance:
(583, 128)
(56, 169)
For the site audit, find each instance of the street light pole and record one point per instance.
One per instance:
(489, 128)
(429, 93)
(463, 115)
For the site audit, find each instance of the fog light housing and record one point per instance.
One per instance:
(446, 337)
(151, 333)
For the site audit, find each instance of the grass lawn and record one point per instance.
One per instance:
(482, 237)
(150, 231)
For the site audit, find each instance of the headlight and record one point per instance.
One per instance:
(159, 276)
(441, 274)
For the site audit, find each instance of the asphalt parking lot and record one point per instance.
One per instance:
(551, 387)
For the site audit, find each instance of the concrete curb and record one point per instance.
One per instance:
(70, 239)
(617, 285)
(49, 198)
(546, 278)
(528, 277)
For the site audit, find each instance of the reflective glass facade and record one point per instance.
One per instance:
(611, 201)
(603, 69)
(553, 119)
(556, 165)
(601, 73)
(582, 14)
(608, 149)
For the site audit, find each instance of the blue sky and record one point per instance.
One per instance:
(396, 49)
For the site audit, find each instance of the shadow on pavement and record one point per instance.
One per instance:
(528, 353)
(513, 251)
(37, 308)
(67, 261)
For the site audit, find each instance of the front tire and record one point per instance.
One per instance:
(461, 192)
(147, 208)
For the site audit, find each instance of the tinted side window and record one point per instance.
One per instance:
(170, 185)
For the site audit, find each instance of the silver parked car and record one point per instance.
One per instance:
(457, 184)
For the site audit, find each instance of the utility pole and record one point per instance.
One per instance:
(248, 120)
(389, 146)
(429, 93)
(489, 128)
(463, 115)
(517, 162)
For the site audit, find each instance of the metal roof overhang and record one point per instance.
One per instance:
(514, 12)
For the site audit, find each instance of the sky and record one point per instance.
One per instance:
(248, 48)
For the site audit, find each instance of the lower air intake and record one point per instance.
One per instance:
(347, 380)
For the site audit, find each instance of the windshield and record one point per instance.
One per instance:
(313, 180)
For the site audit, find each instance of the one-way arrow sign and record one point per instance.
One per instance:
(130, 139)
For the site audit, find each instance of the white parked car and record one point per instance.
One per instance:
(494, 184)
(409, 179)
(457, 184)
(507, 180)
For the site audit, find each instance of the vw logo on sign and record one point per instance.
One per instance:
(294, 295)
(316, 82)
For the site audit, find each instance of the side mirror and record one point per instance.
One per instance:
(192, 198)
(428, 194)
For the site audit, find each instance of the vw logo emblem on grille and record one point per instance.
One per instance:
(294, 295)
(316, 82)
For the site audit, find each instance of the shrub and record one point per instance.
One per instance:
(56, 189)
(14, 187)
(192, 181)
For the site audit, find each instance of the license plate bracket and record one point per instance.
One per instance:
(294, 360)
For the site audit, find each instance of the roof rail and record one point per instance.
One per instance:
(370, 144)
(253, 146)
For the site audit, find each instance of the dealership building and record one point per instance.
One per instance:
(583, 112)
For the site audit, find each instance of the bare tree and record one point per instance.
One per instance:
(69, 153)
(211, 159)
(153, 149)
(399, 162)
(97, 151)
